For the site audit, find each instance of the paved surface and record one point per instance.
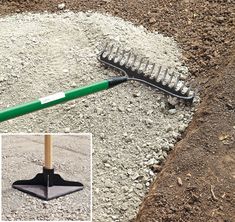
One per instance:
(22, 159)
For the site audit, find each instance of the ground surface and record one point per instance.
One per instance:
(204, 161)
(205, 30)
(39, 57)
(22, 158)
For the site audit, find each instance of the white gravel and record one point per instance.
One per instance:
(133, 126)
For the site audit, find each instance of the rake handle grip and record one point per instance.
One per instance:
(48, 152)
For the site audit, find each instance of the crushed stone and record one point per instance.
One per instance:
(133, 126)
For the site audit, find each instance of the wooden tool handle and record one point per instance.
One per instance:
(48, 152)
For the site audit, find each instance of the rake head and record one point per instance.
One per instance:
(142, 70)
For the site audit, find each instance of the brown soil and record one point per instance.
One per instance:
(197, 182)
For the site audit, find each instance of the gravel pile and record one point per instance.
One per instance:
(133, 126)
(23, 158)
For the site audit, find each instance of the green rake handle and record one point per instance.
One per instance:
(57, 98)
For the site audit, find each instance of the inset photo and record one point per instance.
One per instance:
(46, 177)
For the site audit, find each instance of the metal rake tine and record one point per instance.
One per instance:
(153, 67)
(146, 66)
(116, 53)
(169, 81)
(133, 63)
(110, 52)
(159, 71)
(176, 81)
(141, 61)
(181, 87)
(151, 76)
(128, 58)
(122, 56)
(104, 49)
(165, 74)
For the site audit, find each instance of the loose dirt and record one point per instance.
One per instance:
(205, 31)
(22, 159)
(204, 161)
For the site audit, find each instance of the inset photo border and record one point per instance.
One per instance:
(46, 177)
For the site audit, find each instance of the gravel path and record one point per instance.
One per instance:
(133, 126)
(23, 159)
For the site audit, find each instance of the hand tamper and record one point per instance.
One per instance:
(47, 185)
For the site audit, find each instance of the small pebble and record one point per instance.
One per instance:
(149, 122)
(151, 162)
(108, 184)
(125, 189)
(149, 112)
(124, 207)
(183, 77)
(182, 128)
(165, 146)
(181, 117)
(164, 154)
(179, 181)
(99, 111)
(152, 20)
(156, 168)
(67, 130)
(120, 109)
(135, 176)
(172, 111)
(114, 217)
(139, 186)
(172, 100)
(61, 6)
(136, 94)
(162, 106)
(169, 128)
(73, 84)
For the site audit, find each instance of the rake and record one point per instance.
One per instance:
(133, 67)
(142, 70)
